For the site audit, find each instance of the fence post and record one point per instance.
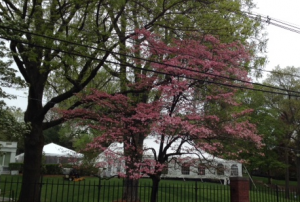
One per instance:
(196, 191)
(277, 193)
(239, 189)
(99, 188)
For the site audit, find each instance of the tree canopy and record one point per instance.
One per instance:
(11, 128)
(8, 76)
(287, 107)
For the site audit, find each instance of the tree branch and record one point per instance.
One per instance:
(11, 5)
(19, 63)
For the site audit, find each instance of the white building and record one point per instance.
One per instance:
(194, 165)
(7, 155)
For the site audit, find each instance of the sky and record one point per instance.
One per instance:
(283, 46)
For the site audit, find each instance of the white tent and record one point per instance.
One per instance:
(116, 148)
(55, 153)
(57, 150)
(175, 170)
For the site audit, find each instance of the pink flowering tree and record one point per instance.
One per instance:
(184, 93)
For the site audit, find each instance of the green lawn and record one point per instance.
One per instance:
(55, 189)
(274, 181)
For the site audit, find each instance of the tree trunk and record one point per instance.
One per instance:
(287, 174)
(132, 150)
(154, 191)
(131, 190)
(34, 142)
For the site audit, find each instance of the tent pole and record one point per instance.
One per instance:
(250, 176)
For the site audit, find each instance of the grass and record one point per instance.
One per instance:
(55, 189)
(274, 181)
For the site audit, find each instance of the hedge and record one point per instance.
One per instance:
(48, 169)
(52, 169)
(16, 166)
(55, 169)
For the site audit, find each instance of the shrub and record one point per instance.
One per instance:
(52, 169)
(67, 166)
(16, 166)
(88, 171)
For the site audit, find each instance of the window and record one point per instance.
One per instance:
(220, 169)
(64, 160)
(165, 169)
(234, 170)
(185, 169)
(176, 165)
(5, 158)
(109, 170)
(104, 172)
(51, 159)
(201, 169)
(118, 166)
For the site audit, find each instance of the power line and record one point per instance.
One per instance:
(277, 23)
(169, 65)
(158, 72)
(26, 97)
(133, 57)
(282, 73)
(255, 16)
(274, 19)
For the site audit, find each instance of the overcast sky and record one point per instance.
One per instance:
(283, 46)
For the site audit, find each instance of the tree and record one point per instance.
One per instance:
(285, 101)
(11, 129)
(8, 76)
(177, 20)
(12, 126)
(183, 105)
(53, 135)
(60, 46)
(36, 31)
(270, 127)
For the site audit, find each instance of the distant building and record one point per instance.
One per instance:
(7, 155)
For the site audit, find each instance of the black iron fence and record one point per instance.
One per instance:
(273, 193)
(95, 190)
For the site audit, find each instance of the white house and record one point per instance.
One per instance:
(194, 165)
(7, 155)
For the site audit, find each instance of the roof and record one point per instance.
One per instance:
(153, 143)
(53, 149)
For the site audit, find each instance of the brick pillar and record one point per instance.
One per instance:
(239, 189)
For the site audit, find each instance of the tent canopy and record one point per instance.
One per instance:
(151, 142)
(56, 150)
(53, 149)
(111, 161)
